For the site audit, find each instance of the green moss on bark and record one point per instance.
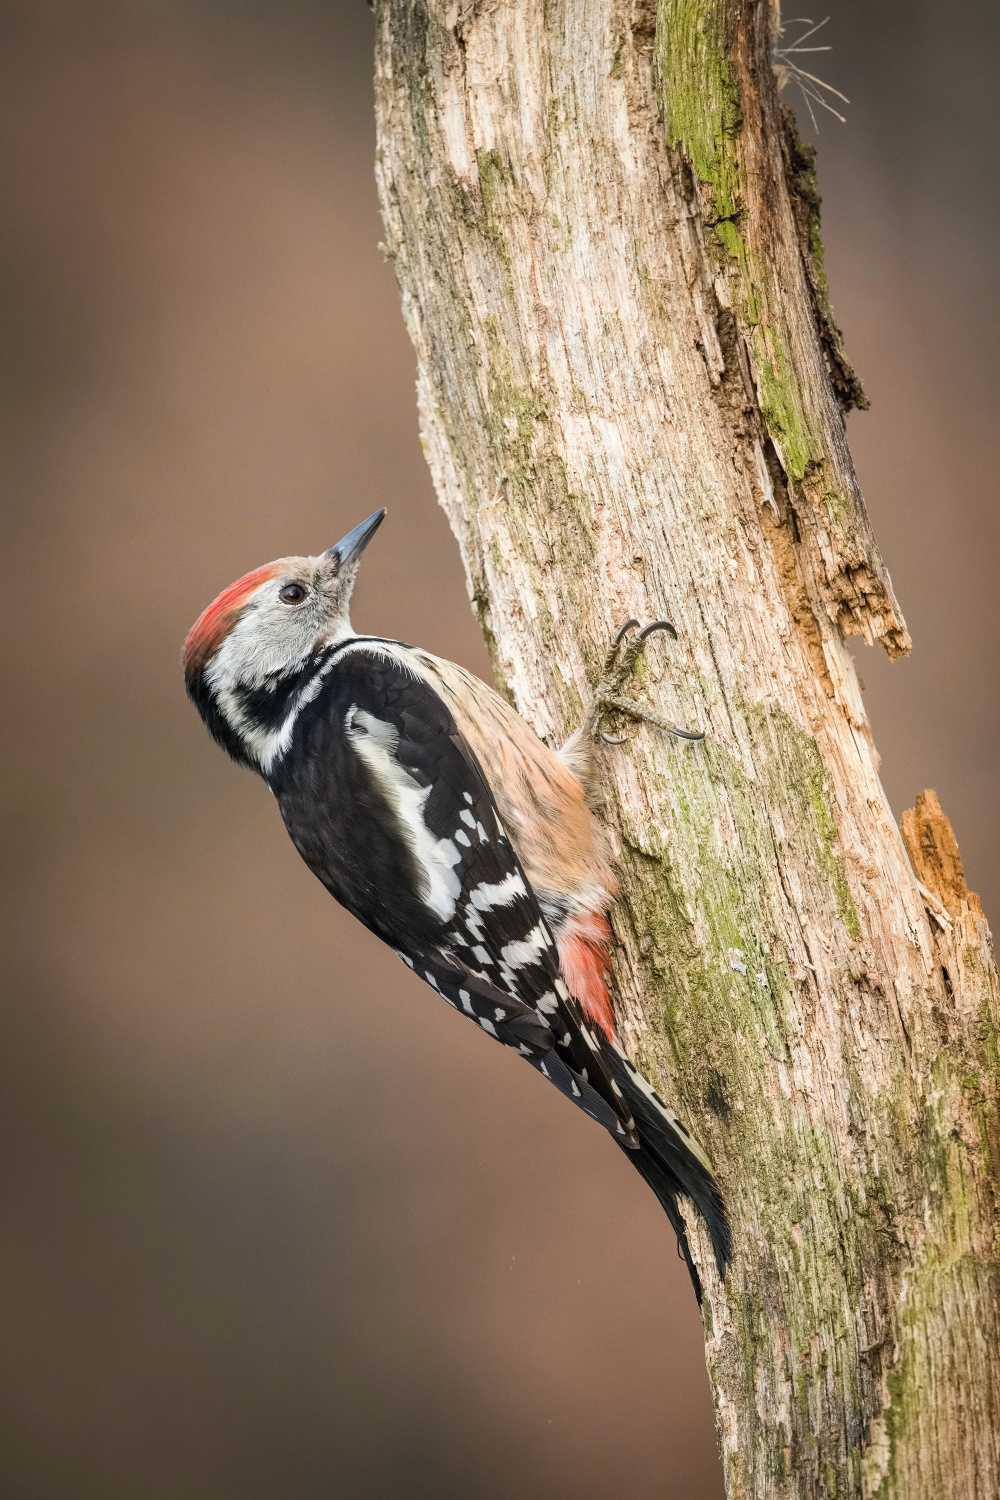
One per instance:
(699, 101)
(726, 1002)
(723, 998)
(495, 187)
(715, 969)
(963, 1282)
(780, 403)
(698, 96)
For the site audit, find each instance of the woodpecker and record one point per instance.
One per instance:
(430, 810)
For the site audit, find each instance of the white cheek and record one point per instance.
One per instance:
(271, 640)
(267, 640)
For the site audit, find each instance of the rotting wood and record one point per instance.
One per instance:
(630, 390)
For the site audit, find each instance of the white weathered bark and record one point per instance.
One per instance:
(630, 388)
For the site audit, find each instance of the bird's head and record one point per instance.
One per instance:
(249, 652)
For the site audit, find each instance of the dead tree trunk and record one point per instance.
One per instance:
(631, 393)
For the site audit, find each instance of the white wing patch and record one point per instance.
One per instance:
(527, 950)
(375, 742)
(484, 897)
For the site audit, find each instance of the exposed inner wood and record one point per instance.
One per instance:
(933, 851)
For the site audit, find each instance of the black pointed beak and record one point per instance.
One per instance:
(350, 547)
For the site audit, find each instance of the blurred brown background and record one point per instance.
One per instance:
(273, 1221)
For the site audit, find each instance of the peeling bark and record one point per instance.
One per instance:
(630, 389)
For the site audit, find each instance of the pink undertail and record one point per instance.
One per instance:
(583, 955)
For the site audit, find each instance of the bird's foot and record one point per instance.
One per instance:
(619, 665)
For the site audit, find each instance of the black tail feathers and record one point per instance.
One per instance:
(672, 1163)
(666, 1187)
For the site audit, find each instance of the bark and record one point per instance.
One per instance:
(631, 392)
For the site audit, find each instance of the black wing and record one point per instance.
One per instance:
(389, 807)
(521, 1029)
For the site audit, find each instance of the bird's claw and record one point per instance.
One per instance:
(648, 630)
(618, 667)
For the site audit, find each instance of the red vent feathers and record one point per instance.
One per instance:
(583, 956)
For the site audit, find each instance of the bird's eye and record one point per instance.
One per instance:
(292, 593)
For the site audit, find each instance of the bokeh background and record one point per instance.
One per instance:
(273, 1222)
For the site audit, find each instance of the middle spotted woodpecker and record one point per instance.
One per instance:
(431, 811)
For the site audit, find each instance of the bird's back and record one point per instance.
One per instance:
(544, 807)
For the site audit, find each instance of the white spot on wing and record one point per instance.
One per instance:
(485, 897)
(519, 954)
(375, 742)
